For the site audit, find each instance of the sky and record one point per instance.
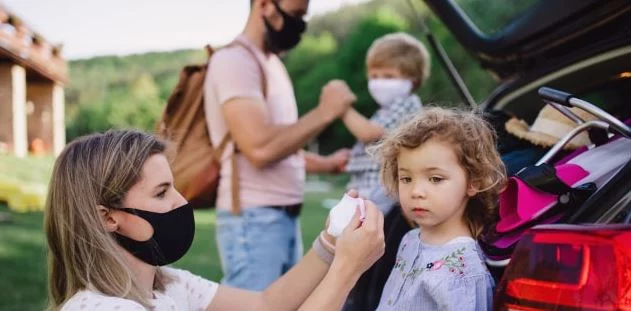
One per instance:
(88, 28)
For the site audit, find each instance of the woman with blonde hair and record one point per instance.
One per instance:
(114, 221)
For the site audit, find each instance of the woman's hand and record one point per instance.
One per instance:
(329, 238)
(361, 243)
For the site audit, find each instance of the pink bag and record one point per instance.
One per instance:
(527, 196)
(540, 194)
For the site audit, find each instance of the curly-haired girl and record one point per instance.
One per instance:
(444, 169)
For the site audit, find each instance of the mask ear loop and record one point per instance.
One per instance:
(287, 15)
(279, 9)
(284, 14)
(154, 245)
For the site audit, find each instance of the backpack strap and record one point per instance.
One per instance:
(210, 51)
(222, 146)
(258, 63)
(234, 178)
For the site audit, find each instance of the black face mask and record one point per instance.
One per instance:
(288, 36)
(173, 234)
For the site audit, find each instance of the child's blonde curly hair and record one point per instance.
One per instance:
(474, 143)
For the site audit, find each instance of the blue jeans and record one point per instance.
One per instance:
(257, 246)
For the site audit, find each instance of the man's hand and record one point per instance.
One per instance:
(335, 99)
(332, 164)
(338, 160)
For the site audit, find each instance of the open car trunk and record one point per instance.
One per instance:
(582, 47)
(541, 34)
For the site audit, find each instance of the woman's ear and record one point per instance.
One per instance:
(473, 189)
(110, 222)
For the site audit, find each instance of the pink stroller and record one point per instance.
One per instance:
(568, 190)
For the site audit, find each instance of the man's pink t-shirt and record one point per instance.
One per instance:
(234, 73)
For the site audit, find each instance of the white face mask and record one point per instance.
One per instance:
(387, 91)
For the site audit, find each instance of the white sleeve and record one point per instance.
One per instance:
(86, 300)
(195, 290)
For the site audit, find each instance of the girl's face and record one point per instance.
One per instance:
(433, 186)
(154, 192)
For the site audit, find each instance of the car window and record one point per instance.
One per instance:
(611, 95)
(504, 12)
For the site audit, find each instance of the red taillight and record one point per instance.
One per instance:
(565, 267)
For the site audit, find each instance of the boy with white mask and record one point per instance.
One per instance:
(397, 65)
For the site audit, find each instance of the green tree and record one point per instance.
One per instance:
(348, 64)
(131, 91)
(309, 54)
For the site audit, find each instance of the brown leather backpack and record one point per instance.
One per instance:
(195, 162)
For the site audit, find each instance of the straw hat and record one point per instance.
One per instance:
(549, 127)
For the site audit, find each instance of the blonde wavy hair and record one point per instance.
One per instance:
(474, 142)
(94, 170)
(402, 51)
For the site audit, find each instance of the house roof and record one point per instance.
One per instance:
(22, 45)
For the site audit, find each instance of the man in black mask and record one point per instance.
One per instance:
(288, 36)
(249, 95)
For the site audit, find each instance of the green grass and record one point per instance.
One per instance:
(23, 251)
(23, 270)
(22, 262)
(30, 169)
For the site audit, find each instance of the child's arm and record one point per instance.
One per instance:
(363, 129)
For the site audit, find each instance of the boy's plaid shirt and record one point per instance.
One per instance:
(364, 171)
